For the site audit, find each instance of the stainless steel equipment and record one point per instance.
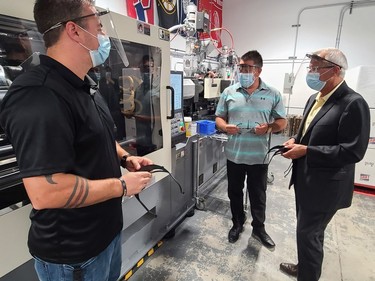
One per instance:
(209, 160)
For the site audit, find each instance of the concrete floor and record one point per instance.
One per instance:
(200, 251)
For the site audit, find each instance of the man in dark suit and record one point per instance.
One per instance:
(333, 136)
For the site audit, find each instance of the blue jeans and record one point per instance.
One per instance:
(104, 267)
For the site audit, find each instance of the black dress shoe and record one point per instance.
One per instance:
(289, 268)
(264, 238)
(234, 233)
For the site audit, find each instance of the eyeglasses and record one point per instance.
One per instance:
(314, 69)
(246, 68)
(61, 23)
(318, 58)
(247, 129)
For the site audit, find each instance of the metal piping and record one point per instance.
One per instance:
(347, 5)
(298, 24)
(342, 13)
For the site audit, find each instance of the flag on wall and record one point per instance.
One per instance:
(141, 9)
(215, 10)
(167, 12)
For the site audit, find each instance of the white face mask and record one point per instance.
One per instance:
(100, 55)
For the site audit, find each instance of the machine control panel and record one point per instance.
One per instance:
(178, 133)
(177, 124)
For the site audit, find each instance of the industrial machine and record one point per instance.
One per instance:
(210, 74)
(135, 81)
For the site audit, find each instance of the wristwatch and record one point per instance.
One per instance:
(123, 160)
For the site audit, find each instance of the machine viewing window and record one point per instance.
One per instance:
(133, 96)
(20, 44)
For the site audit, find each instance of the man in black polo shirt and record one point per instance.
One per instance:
(63, 136)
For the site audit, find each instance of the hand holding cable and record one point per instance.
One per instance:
(134, 163)
(232, 129)
(154, 169)
(294, 150)
(261, 129)
(136, 182)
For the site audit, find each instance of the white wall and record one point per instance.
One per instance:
(118, 6)
(266, 25)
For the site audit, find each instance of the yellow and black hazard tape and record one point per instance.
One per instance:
(141, 261)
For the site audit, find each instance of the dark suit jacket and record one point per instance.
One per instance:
(336, 139)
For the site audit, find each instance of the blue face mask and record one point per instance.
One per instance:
(246, 79)
(313, 81)
(100, 55)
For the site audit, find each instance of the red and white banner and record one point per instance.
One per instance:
(142, 10)
(215, 10)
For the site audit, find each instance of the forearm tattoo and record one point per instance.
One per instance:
(50, 180)
(79, 193)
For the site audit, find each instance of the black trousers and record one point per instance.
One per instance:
(310, 242)
(256, 186)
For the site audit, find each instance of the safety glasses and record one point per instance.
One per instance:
(61, 23)
(318, 58)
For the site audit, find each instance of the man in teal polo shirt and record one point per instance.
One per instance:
(248, 112)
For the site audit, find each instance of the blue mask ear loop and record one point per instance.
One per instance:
(156, 169)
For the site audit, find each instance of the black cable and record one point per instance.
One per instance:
(287, 171)
(278, 150)
(144, 206)
(155, 169)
